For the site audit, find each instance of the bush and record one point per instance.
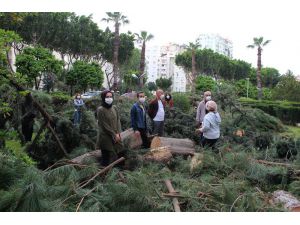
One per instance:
(288, 112)
(181, 101)
(60, 98)
(205, 83)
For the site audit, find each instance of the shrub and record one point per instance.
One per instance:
(288, 112)
(181, 101)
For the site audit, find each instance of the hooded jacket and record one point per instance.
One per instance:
(211, 125)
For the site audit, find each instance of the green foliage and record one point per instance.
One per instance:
(163, 83)
(287, 112)
(151, 86)
(60, 98)
(288, 88)
(205, 83)
(211, 63)
(270, 77)
(85, 75)
(35, 62)
(181, 101)
(241, 87)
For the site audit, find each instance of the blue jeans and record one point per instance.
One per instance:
(77, 117)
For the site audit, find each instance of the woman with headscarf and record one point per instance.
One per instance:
(169, 100)
(109, 139)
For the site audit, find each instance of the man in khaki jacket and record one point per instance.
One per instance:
(201, 110)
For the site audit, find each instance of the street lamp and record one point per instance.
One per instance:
(247, 85)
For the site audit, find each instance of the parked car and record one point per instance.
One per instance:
(90, 94)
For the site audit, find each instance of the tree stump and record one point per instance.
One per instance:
(130, 139)
(177, 146)
(160, 154)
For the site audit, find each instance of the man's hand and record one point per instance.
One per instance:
(137, 133)
(118, 138)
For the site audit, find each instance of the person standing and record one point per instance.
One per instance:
(109, 139)
(156, 112)
(138, 119)
(211, 125)
(169, 100)
(78, 104)
(201, 109)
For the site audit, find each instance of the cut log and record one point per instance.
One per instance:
(172, 191)
(289, 201)
(177, 146)
(130, 139)
(160, 154)
(93, 154)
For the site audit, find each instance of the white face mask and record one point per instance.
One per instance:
(109, 101)
(162, 97)
(78, 97)
(208, 98)
(142, 100)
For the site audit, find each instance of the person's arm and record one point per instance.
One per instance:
(78, 104)
(133, 118)
(205, 125)
(198, 123)
(119, 120)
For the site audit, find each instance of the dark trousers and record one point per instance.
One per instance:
(158, 128)
(208, 142)
(143, 132)
(77, 117)
(108, 157)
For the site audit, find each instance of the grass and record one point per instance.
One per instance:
(292, 131)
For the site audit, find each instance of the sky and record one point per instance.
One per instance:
(182, 22)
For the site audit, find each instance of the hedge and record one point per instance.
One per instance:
(287, 112)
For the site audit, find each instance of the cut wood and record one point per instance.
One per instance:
(177, 146)
(196, 161)
(289, 201)
(82, 158)
(160, 154)
(172, 191)
(130, 139)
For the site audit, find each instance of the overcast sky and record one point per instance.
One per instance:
(183, 21)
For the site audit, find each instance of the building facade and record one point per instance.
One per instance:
(160, 62)
(216, 43)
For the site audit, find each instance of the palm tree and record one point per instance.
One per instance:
(143, 37)
(192, 47)
(259, 43)
(117, 18)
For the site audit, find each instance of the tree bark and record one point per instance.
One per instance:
(142, 64)
(171, 191)
(258, 74)
(177, 146)
(130, 139)
(193, 70)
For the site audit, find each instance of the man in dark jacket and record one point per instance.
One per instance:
(156, 112)
(138, 118)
